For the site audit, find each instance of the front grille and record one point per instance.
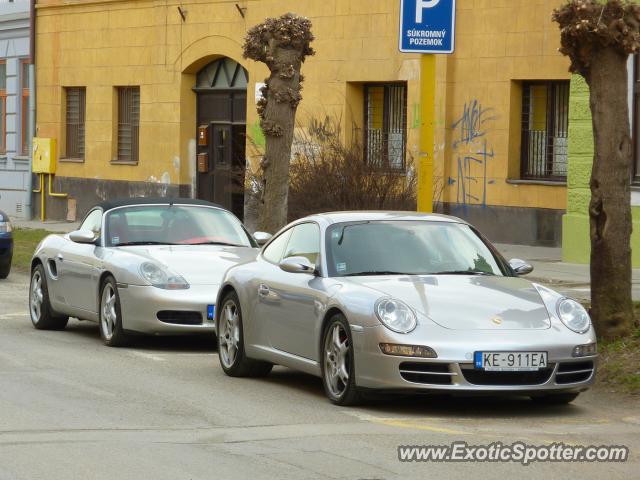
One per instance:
(574, 372)
(427, 373)
(180, 317)
(481, 377)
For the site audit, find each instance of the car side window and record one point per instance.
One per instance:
(93, 222)
(273, 252)
(304, 242)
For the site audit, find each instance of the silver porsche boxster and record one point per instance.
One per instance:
(149, 266)
(399, 302)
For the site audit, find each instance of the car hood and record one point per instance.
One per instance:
(467, 302)
(198, 264)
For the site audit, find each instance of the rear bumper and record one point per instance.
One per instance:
(6, 247)
(140, 306)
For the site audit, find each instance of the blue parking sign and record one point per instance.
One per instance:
(427, 26)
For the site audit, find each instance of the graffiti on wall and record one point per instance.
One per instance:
(472, 153)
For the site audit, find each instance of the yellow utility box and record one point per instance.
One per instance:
(44, 155)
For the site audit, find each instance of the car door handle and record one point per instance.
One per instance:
(60, 257)
(263, 290)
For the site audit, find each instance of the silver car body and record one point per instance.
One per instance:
(75, 272)
(283, 315)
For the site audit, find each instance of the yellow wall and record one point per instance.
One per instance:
(102, 44)
(499, 43)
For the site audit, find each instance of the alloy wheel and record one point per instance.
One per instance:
(36, 297)
(336, 360)
(229, 334)
(108, 317)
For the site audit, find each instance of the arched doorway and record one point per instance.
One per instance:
(221, 115)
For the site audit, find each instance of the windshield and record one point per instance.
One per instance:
(174, 225)
(408, 247)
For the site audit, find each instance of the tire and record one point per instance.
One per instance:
(231, 353)
(43, 317)
(338, 363)
(5, 270)
(111, 330)
(555, 399)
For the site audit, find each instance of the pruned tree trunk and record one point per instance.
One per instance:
(598, 37)
(610, 207)
(282, 44)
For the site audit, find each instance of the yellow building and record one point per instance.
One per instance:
(153, 97)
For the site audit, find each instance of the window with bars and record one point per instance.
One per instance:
(385, 133)
(25, 106)
(75, 122)
(545, 125)
(128, 124)
(3, 106)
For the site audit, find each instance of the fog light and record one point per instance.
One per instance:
(408, 350)
(585, 350)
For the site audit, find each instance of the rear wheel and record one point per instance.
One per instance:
(555, 399)
(111, 329)
(231, 353)
(338, 364)
(5, 268)
(42, 315)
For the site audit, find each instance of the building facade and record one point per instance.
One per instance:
(153, 97)
(14, 106)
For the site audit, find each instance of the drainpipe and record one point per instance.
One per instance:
(28, 213)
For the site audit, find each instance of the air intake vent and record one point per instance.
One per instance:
(18, 208)
(574, 372)
(481, 377)
(178, 317)
(427, 373)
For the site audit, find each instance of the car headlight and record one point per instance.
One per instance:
(573, 315)
(161, 278)
(5, 227)
(396, 315)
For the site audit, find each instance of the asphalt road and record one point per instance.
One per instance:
(71, 408)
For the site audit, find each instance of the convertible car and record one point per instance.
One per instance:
(401, 302)
(139, 265)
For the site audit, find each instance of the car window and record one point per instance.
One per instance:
(304, 242)
(273, 252)
(93, 222)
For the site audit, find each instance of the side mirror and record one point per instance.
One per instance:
(262, 237)
(298, 265)
(83, 236)
(520, 266)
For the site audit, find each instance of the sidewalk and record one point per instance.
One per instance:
(570, 279)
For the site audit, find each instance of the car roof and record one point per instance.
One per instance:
(125, 202)
(369, 215)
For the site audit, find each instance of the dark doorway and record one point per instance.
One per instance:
(221, 89)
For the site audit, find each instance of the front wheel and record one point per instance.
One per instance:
(338, 364)
(111, 329)
(42, 315)
(5, 269)
(233, 358)
(555, 399)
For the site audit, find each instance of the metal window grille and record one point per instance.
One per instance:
(385, 132)
(76, 106)
(128, 124)
(545, 125)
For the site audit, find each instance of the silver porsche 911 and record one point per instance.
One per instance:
(139, 265)
(401, 302)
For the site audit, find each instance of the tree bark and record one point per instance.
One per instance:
(610, 206)
(278, 124)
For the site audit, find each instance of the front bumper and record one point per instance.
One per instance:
(140, 305)
(453, 370)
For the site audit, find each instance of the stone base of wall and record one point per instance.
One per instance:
(515, 225)
(86, 192)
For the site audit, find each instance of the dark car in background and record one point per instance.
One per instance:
(6, 245)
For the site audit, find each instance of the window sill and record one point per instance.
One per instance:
(546, 183)
(72, 160)
(21, 158)
(123, 162)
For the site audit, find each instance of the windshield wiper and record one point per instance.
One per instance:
(146, 242)
(462, 272)
(216, 243)
(380, 272)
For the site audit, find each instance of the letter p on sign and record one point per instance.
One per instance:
(421, 5)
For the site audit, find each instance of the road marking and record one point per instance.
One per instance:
(404, 423)
(15, 314)
(148, 356)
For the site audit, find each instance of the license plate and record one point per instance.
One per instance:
(510, 361)
(211, 312)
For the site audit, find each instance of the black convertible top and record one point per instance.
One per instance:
(124, 202)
